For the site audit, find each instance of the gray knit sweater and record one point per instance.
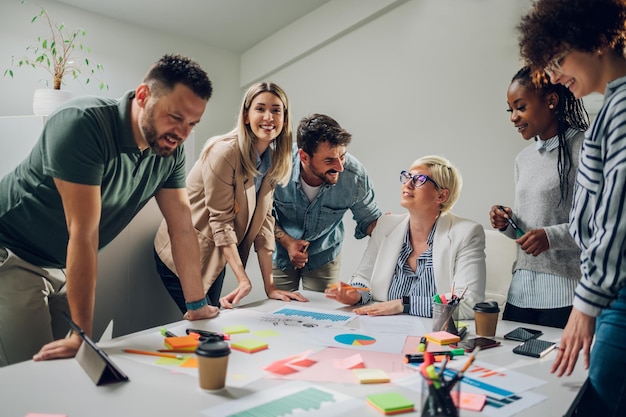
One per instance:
(537, 196)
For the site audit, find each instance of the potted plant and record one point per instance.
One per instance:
(61, 54)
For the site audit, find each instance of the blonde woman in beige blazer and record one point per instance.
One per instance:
(231, 190)
(439, 249)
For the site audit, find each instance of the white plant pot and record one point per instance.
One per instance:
(47, 100)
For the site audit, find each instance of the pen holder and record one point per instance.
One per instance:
(445, 317)
(437, 397)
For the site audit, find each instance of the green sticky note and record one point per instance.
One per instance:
(390, 402)
(236, 329)
(249, 345)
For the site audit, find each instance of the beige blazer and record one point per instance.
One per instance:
(458, 256)
(225, 209)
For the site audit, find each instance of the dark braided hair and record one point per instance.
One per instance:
(570, 112)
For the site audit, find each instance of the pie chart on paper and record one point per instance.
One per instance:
(355, 339)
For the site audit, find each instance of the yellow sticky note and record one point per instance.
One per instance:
(249, 345)
(371, 376)
(236, 329)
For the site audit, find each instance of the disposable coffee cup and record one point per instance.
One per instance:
(486, 318)
(212, 364)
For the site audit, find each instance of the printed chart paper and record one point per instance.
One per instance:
(294, 399)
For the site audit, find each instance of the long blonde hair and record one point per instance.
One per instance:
(280, 147)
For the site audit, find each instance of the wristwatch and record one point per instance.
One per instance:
(406, 304)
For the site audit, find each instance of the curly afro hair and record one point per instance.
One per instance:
(552, 26)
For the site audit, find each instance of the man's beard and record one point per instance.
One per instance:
(151, 136)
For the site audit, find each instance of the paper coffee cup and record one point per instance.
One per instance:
(212, 364)
(486, 318)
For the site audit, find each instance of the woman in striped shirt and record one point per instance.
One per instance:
(581, 45)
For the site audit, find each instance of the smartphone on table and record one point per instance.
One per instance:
(483, 342)
(522, 334)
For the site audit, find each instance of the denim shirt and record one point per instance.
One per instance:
(320, 221)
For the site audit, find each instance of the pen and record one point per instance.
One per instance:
(348, 287)
(421, 359)
(208, 334)
(470, 360)
(167, 333)
(422, 346)
(145, 352)
(508, 218)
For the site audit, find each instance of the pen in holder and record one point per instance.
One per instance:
(437, 394)
(445, 317)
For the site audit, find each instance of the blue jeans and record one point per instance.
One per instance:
(172, 285)
(606, 392)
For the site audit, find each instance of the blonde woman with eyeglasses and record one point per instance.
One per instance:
(427, 251)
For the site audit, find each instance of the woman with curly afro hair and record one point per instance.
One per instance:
(580, 44)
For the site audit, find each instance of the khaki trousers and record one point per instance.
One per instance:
(32, 300)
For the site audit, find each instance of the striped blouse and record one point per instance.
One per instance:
(598, 216)
(418, 285)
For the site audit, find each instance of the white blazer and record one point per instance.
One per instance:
(458, 257)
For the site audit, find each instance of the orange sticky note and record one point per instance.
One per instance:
(182, 343)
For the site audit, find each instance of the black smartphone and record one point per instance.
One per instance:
(522, 334)
(484, 342)
(535, 348)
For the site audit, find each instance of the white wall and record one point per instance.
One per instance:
(426, 77)
(126, 53)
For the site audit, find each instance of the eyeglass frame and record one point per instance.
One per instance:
(406, 176)
(554, 66)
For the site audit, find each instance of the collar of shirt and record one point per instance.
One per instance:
(553, 143)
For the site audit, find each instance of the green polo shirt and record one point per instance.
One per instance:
(88, 141)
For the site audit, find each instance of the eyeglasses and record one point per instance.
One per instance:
(417, 180)
(554, 66)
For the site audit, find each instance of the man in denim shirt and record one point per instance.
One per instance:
(325, 182)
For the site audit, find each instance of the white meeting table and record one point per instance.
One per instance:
(62, 386)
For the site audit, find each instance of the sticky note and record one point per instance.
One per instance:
(390, 403)
(236, 329)
(371, 376)
(442, 338)
(469, 401)
(249, 345)
(189, 343)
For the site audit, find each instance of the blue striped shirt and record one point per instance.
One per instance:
(418, 285)
(597, 221)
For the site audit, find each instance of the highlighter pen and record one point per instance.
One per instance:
(208, 334)
(422, 346)
(514, 225)
(167, 333)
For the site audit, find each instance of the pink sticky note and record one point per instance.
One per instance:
(44, 415)
(469, 401)
(351, 362)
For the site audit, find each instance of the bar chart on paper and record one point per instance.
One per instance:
(297, 399)
(314, 317)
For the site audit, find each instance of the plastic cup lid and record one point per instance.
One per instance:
(487, 307)
(213, 348)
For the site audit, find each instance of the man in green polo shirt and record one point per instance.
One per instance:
(97, 163)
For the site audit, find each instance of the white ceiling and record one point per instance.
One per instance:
(234, 25)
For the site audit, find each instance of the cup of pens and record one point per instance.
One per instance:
(438, 391)
(445, 317)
